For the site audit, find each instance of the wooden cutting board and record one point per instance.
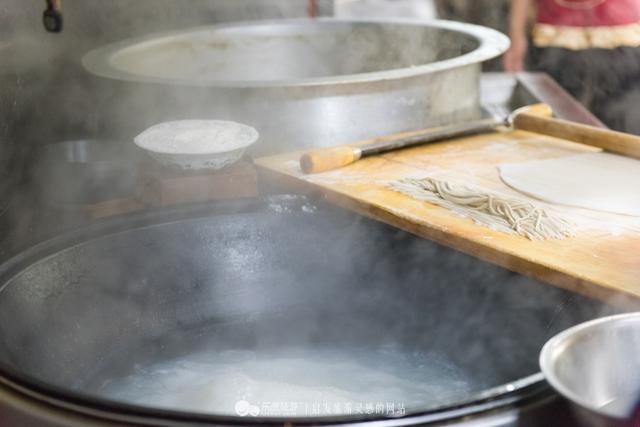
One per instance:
(601, 261)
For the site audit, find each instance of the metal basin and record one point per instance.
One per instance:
(596, 366)
(305, 83)
(85, 171)
(273, 301)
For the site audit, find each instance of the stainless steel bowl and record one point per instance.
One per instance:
(303, 83)
(596, 365)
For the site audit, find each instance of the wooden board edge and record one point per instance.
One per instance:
(511, 262)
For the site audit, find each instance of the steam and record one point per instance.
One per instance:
(48, 97)
(349, 279)
(291, 288)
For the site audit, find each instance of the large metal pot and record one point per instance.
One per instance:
(304, 83)
(293, 298)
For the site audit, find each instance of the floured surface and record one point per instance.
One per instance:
(600, 260)
(196, 137)
(598, 181)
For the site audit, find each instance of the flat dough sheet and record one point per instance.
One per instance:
(597, 181)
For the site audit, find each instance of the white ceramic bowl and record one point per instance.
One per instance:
(197, 144)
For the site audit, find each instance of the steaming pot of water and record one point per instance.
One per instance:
(271, 312)
(303, 83)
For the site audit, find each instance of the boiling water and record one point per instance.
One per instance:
(293, 382)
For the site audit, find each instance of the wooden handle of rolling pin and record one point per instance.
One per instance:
(324, 159)
(615, 142)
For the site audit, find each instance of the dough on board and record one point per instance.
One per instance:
(597, 181)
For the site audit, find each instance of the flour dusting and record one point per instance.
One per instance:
(196, 137)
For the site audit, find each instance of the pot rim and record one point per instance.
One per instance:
(491, 43)
(78, 403)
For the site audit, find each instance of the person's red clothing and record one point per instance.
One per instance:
(588, 13)
(587, 24)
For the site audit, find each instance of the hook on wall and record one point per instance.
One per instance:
(52, 16)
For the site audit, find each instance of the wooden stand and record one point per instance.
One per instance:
(109, 208)
(163, 186)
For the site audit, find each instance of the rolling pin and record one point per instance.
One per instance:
(324, 159)
(535, 118)
(609, 140)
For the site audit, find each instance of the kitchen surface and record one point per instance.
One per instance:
(314, 212)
